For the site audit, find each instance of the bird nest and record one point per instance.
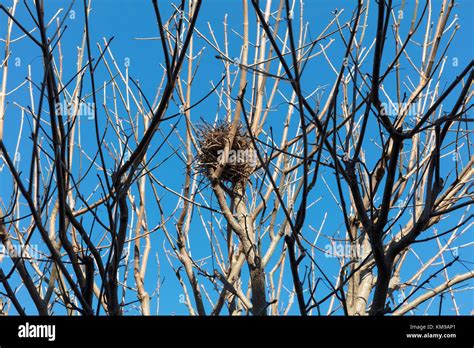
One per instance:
(241, 159)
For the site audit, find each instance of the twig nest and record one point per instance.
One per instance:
(240, 159)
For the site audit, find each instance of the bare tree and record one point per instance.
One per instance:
(350, 195)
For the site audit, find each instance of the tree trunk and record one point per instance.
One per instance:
(249, 242)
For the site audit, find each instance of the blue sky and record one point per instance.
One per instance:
(127, 20)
